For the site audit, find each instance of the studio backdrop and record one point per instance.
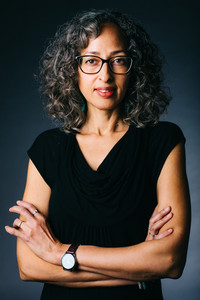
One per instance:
(174, 26)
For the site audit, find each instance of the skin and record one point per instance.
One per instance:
(102, 112)
(39, 252)
(88, 84)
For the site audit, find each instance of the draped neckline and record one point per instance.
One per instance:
(106, 157)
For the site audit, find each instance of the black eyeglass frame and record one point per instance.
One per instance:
(102, 62)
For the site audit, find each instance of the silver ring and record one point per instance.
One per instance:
(151, 234)
(35, 212)
(20, 224)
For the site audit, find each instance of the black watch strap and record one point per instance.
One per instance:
(71, 251)
(72, 248)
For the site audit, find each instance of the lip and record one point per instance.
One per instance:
(105, 92)
(108, 88)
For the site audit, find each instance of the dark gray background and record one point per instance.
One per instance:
(174, 26)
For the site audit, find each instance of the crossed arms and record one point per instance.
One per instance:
(39, 252)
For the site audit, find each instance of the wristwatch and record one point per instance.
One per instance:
(68, 260)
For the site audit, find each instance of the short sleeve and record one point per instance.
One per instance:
(43, 155)
(163, 138)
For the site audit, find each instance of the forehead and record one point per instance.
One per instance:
(110, 39)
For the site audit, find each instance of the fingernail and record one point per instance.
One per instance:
(169, 230)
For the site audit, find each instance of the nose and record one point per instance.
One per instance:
(105, 73)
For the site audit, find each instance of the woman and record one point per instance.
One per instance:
(92, 186)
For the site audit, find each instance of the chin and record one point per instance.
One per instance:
(106, 107)
(106, 104)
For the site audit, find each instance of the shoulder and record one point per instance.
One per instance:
(167, 127)
(50, 134)
(51, 137)
(49, 142)
(46, 151)
(162, 132)
(163, 138)
(166, 132)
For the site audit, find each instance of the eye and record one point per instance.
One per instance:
(91, 61)
(119, 61)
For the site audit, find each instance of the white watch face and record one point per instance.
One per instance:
(68, 261)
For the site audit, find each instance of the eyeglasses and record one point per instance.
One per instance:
(90, 64)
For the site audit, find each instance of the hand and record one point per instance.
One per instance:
(157, 221)
(33, 229)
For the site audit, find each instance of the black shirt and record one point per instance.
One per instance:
(109, 207)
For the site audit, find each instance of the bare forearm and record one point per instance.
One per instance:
(95, 283)
(53, 274)
(33, 268)
(140, 262)
(58, 276)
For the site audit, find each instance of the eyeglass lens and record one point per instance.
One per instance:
(93, 64)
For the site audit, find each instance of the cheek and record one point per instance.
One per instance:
(81, 83)
(125, 85)
(85, 86)
(83, 80)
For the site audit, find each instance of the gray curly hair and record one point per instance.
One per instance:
(146, 98)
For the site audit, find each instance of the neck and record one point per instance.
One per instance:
(101, 123)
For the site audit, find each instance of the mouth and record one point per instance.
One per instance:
(105, 92)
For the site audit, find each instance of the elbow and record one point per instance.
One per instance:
(24, 273)
(175, 273)
(175, 267)
(23, 276)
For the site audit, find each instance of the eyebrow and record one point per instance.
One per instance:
(112, 53)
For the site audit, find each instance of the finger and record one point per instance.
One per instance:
(163, 234)
(35, 212)
(15, 232)
(149, 237)
(155, 211)
(158, 216)
(23, 212)
(154, 229)
(17, 223)
(160, 235)
(29, 206)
